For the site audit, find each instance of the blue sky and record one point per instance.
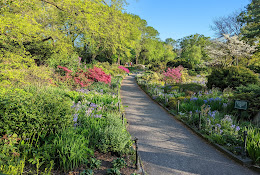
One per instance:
(179, 18)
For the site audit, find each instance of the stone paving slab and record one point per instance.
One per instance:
(166, 146)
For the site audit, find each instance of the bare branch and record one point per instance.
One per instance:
(227, 25)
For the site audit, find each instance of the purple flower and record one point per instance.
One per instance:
(237, 128)
(77, 108)
(221, 131)
(93, 105)
(217, 99)
(218, 125)
(211, 99)
(238, 147)
(98, 116)
(89, 111)
(205, 101)
(233, 126)
(197, 111)
(212, 114)
(101, 90)
(75, 117)
(193, 99)
(86, 91)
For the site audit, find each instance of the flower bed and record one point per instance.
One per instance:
(210, 112)
(53, 129)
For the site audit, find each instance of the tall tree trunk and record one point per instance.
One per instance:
(136, 59)
(93, 57)
(118, 59)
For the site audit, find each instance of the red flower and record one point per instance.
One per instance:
(66, 69)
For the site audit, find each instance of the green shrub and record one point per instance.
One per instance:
(251, 94)
(87, 172)
(19, 68)
(34, 109)
(10, 160)
(65, 59)
(192, 72)
(255, 68)
(157, 67)
(194, 87)
(253, 144)
(119, 163)
(233, 76)
(71, 149)
(114, 136)
(140, 67)
(94, 163)
(113, 171)
(177, 62)
(106, 133)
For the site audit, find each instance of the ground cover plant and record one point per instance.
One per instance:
(210, 111)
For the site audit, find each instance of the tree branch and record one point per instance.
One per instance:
(45, 39)
(52, 3)
(105, 2)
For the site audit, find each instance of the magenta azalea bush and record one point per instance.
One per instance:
(172, 75)
(85, 78)
(98, 75)
(124, 69)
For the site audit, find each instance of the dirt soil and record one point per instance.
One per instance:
(106, 163)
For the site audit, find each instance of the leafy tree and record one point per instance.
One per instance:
(193, 49)
(170, 41)
(251, 17)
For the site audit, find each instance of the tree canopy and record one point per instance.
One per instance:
(251, 17)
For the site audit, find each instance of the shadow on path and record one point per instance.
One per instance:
(166, 146)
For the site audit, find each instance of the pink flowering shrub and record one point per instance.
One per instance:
(124, 69)
(65, 69)
(172, 75)
(85, 78)
(98, 75)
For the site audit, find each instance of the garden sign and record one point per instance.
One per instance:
(239, 104)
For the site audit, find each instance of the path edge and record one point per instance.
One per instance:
(140, 165)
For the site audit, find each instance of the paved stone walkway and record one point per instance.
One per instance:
(166, 146)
